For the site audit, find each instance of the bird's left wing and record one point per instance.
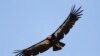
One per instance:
(74, 15)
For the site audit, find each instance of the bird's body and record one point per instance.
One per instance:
(53, 40)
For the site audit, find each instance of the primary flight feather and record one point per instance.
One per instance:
(53, 40)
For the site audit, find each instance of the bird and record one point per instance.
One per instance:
(53, 40)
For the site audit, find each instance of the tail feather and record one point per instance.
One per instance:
(58, 46)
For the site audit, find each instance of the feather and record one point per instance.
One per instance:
(68, 23)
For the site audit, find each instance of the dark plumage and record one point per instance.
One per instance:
(54, 39)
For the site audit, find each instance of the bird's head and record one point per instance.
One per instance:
(49, 37)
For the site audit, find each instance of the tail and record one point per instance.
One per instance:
(58, 46)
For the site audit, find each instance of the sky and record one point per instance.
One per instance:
(26, 22)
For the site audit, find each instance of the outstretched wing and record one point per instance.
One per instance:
(35, 49)
(74, 15)
(59, 33)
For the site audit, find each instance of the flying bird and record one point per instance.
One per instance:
(53, 40)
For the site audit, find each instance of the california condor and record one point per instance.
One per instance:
(53, 40)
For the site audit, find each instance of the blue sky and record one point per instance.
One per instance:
(26, 22)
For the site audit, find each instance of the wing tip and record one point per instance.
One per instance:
(77, 12)
(19, 52)
(73, 9)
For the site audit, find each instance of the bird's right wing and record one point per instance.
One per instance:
(35, 49)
